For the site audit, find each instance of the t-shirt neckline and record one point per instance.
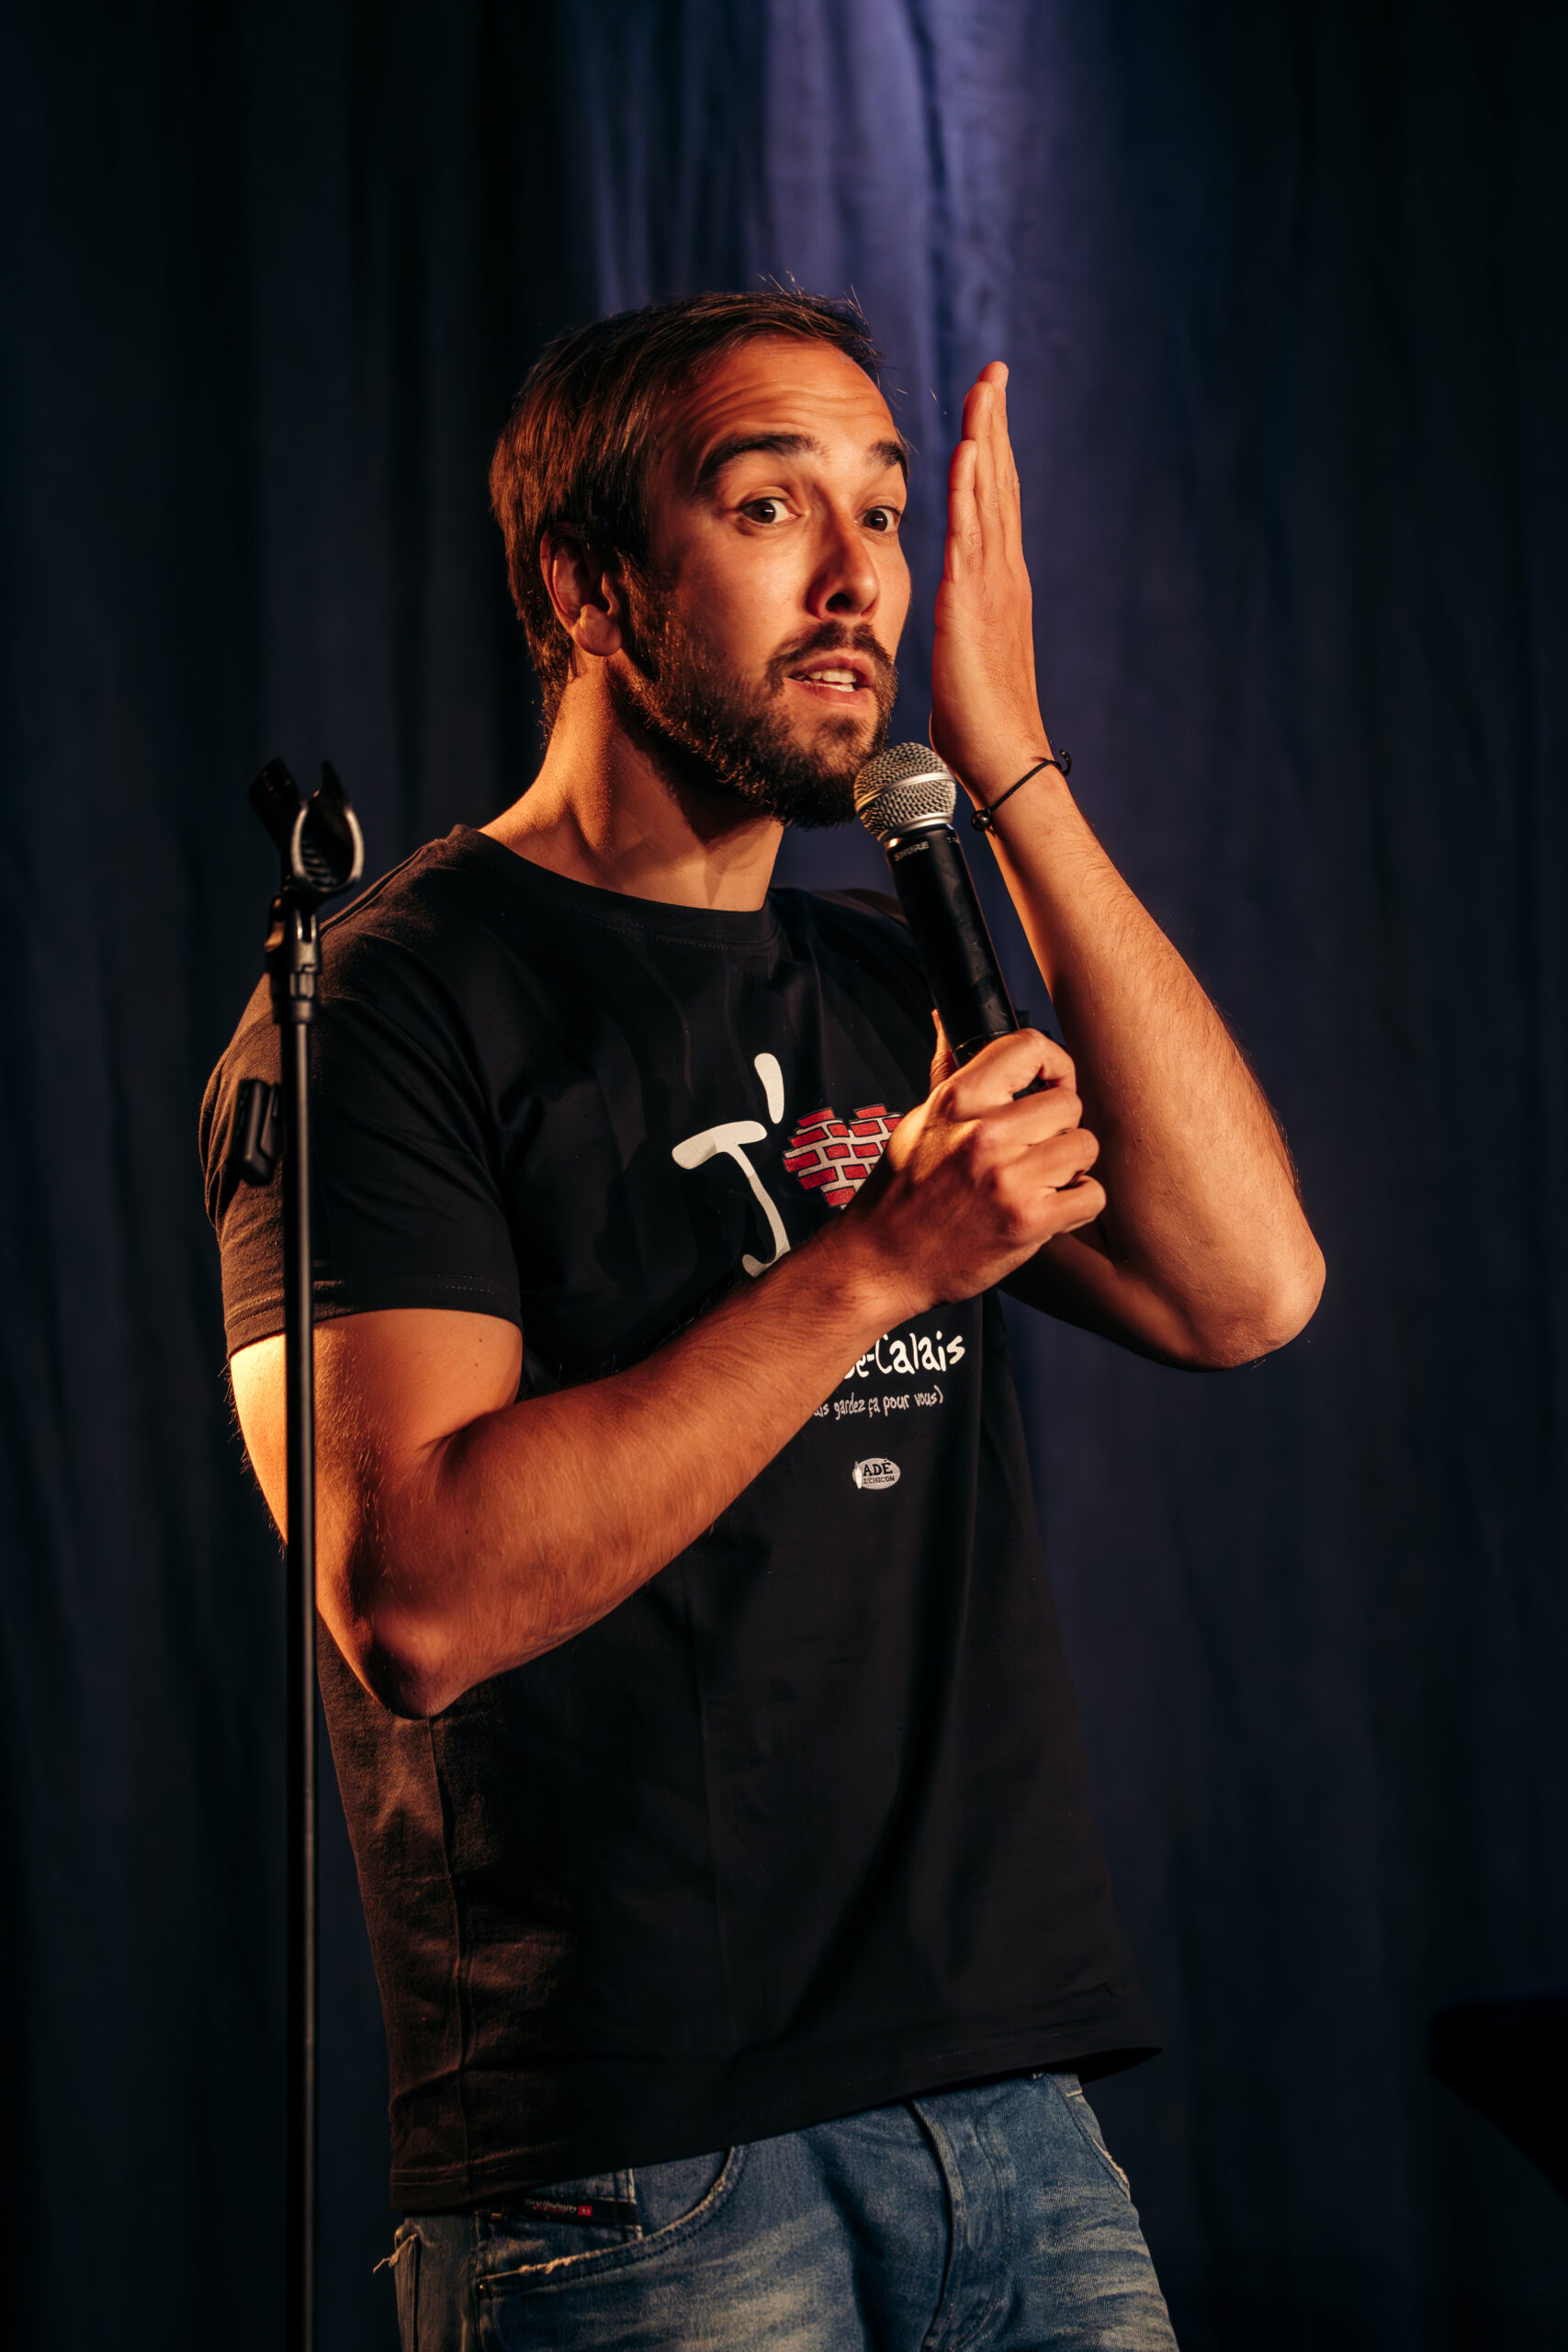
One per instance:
(648, 918)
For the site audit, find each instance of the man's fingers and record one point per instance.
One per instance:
(976, 401)
(1078, 1206)
(1004, 1069)
(1000, 497)
(992, 439)
(964, 543)
(1044, 1191)
(1038, 1136)
(985, 511)
(1015, 1129)
(1063, 1161)
(979, 436)
(984, 428)
(943, 1063)
(983, 471)
(983, 1174)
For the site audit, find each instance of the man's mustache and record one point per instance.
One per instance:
(834, 637)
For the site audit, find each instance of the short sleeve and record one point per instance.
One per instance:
(407, 1206)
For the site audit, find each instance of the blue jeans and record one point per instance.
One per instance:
(990, 2219)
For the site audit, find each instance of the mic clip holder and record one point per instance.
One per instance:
(322, 851)
(323, 854)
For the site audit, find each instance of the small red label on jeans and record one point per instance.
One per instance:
(605, 2212)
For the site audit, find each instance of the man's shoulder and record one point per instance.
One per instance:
(439, 904)
(402, 953)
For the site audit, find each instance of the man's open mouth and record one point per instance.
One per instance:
(837, 675)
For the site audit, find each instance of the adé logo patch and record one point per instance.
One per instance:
(877, 1473)
(835, 1156)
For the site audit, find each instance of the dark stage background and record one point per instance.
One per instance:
(1283, 290)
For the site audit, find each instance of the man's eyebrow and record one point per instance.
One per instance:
(787, 445)
(740, 445)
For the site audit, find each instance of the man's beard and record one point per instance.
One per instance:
(709, 731)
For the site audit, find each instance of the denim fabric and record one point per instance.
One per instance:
(991, 2219)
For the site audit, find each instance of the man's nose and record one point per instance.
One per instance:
(845, 580)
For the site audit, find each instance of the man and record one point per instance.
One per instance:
(698, 1704)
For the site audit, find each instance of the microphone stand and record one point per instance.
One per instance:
(322, 853)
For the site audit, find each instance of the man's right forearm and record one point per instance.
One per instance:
(507, 1537)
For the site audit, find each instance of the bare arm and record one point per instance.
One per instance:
(462, 1532)
(1203, 1256)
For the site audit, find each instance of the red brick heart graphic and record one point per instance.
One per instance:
(835, 1156)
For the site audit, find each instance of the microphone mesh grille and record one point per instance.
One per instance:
(906, 784)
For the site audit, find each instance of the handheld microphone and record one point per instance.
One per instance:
(905, 796)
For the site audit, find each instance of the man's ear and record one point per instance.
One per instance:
(586, 593)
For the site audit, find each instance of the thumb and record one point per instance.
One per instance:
(943, 1063)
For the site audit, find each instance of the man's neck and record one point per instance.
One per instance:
(602, 811)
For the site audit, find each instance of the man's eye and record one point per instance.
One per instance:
(883, 518)
(764, 510)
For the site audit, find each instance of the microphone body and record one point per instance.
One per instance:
(942, 908)
(905, 796)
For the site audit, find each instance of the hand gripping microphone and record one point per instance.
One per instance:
(905, 796)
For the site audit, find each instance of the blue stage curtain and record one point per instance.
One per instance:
(1282, 290)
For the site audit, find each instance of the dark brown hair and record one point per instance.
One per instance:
(573, 458)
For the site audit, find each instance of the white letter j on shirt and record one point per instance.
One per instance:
(726, 1143)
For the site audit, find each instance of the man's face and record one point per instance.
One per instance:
(760, 649)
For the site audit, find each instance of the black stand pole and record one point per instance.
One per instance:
(293, 958)
(323, 854)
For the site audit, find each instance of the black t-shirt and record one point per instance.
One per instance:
(801, 1826)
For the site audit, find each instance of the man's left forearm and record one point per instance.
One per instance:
(1207, 1255)
(1202, 1256)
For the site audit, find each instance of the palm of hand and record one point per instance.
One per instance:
(985, 709)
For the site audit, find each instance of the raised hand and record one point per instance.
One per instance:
(986, 717)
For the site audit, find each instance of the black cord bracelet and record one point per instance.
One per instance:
(981, 819)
